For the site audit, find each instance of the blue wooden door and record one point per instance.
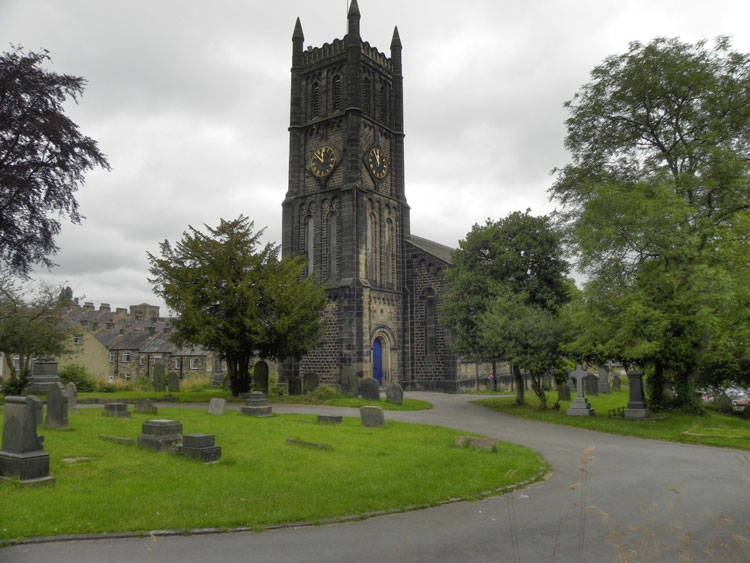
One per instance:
(377, 361)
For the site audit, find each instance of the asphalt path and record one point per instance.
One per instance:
(606, 498)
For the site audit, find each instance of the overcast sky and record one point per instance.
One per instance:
(190, 102)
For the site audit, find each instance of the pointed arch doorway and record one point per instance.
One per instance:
(377, 360)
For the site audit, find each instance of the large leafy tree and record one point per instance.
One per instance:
(43, 158)
(656, 202)
(237, 298)
(500, 269)
(31, 325)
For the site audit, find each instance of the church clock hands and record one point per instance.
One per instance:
(323, 161)
(377, 162)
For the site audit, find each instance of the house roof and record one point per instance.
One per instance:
(439, 251)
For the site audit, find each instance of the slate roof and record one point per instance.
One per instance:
(439, 251)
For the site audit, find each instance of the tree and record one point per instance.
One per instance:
(656, 205)
(43, 158)
(31, 325)
(514, 262)
(236, 298)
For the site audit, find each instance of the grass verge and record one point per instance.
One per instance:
(260, 480)
(710, 429)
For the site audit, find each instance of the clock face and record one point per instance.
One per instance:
(322, 162)
(377, 162)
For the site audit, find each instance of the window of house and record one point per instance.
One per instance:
(195, 363)
(78, 339)
(126, 357)
(142, 361)
(177, 363)
(111, 357)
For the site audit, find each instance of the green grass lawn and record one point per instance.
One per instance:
(205, 395)
(260, 480)
(711, 429)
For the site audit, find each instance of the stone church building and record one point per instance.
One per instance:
(346, 211)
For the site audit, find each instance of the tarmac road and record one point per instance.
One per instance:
(646, 501)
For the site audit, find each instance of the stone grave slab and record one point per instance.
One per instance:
(330, 419)
(580, 406)
(257, 405)
(160, 434)
(349, 382)
(604, 381)
(116, 410)
(394, 394)
(173, 382)
(43, 376)
(310, 382)
(57, 407)
(201, 447)
(260, 377)
(370, 389)
(72, 394)
(372, 417)
(160, 380)
(145, 406)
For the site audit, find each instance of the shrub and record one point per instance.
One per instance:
(80, 376)
(325, 392)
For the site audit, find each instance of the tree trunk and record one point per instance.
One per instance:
(520, 399)
(655, 386)
(239, 376)
(685, 391)
(536, 385)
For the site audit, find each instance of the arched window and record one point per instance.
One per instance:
(429, 322)
(336, 92)
(332, 246)
(383, 102)
(371, 247)
(389, 250)
(310, 244)
(365, 102)
(315, 100)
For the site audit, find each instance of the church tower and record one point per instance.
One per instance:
(345, 207)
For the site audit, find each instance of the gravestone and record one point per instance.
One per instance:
(173, 382)
(591, 384)
(160, 435)
(310, 382)
(260, 377)
(43, 376)
(116, 410)
(349, 382)
(372, 416)
(145, 406)
(616, 383)
(580, 406)
(604, 380)
(57, 407)
(370, 389)
(72, 393)
(563, 392)
(636, 408)
(217, 374)
(330, 419)
(201, 447)
(257, 405)
(217, 406)
(394, 394)
(38, 409)
(160, 381)
(295, 385)
(724, 404)
(22, 455)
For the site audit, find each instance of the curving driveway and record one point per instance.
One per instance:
(646, 501)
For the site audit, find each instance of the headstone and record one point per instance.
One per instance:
(591, 384)
(200, 447)
(43, 376)
(310, 382)
(334, 419)
(349, 381)
(145, 406)
(38, 409)
(370, 389)
(616, 384)
(217, 374)
(173, 382)
(57, 407)
(636, 408)
(160, 381)
(563, 392)
(372, 416)
(394, 394)
(604, 380)
(260, 377)
(295, 385)
(217, 406)
(580, 406)
(116, 410)
(160, 435)
(72, 393)
(22, 455)
(257, 405)
(724, 404)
